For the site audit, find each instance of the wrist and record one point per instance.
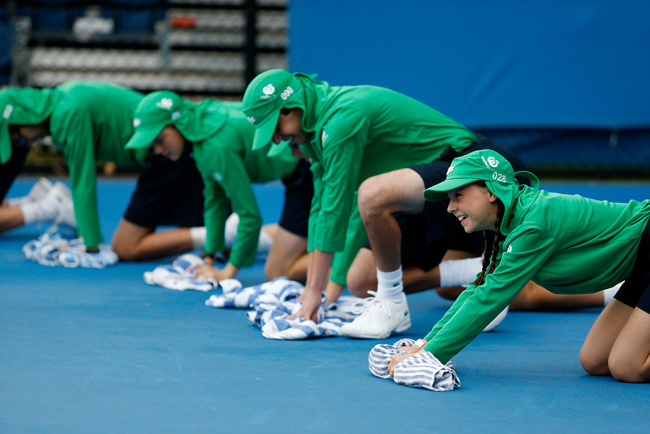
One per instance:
(420, 343)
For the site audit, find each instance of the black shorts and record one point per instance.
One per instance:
(10, 170)
(439, 230)
(168, 193)
(299, 191)
(635, 292)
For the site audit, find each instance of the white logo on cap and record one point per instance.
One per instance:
(287, 93)
(217, 176)
(493, 161)
(324, 137)
(451, 169)
(136, 123)
(7, 113)
(165, 103)
(251, 119)
(176, 116)
(509, 248)
(268, 91)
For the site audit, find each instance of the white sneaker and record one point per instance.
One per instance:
(61, 196)
(36, 193)
(379, 319)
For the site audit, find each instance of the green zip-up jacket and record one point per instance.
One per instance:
(359, 132)
(89, 121)
(567, 244)
(229, 168)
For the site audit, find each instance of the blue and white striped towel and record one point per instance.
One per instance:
(59, 246)
(272, 302)
(421, 370)
(176, 277)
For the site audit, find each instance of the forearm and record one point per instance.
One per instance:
(318, 270)
(333, 291)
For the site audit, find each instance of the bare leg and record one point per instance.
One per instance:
(362, 276)
(535, 298)
(380, 197)
(287, 257)
(629, 360)
(597, 347)
(10, 218)
(132, 242)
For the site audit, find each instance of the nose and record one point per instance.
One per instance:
(157, 149)
(452, 206)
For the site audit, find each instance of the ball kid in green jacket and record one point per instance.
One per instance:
(567, 244)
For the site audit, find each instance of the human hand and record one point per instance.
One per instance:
(310, 304)
(206, 271)
(395, 361)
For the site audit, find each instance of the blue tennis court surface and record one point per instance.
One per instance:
(101, 351)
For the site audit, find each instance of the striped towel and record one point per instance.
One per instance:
(59, 246)
(176, 277)
(421, 370)
(272, 302)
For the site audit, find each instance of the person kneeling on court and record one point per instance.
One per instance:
(567, 244)
(91, 121)
(222, 140)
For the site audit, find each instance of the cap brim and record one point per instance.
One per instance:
(277, 148)
(439, 191)
(143, 137)
(264, 131)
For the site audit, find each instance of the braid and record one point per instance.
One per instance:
(492, 242)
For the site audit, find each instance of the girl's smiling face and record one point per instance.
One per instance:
(474, 206)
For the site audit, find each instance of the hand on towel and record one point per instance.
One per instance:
(400, 358)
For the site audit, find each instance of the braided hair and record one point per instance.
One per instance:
(492, 242)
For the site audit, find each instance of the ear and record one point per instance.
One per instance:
(491, 197)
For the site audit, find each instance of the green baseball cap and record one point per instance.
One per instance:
(264, 97)
(483, 165)
(26, 106)
(153, 114)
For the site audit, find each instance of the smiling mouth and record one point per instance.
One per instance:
(462, 218)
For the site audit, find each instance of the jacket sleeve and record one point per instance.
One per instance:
(78, 148)
(354, 239)
(225, 172)
(346, 135)
(317, 171)
(526, 252)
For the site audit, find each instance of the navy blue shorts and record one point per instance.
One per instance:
(10, 170)
(635, 292)
(438, 231)
(299, 191)
(168, 193)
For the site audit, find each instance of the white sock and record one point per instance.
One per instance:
(608, 294)
(459, 271)
(265, 242)
(198, 236)
(41, 211)
(15, 202)
(389, 285)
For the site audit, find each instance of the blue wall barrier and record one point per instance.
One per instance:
(488, 64)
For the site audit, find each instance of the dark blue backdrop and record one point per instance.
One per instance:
(576, 64)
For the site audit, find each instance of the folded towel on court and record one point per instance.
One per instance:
(58, 246)
(421, 370)
(272, 302)
(176, 277)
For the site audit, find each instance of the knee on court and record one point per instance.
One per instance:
(592, 363)
(359, 281)
(625, 370)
